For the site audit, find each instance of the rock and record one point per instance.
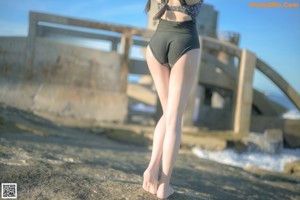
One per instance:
(292, 134)
(293, 168)
(269, 142)
(206, 143)
(239, 146)
(275, 139)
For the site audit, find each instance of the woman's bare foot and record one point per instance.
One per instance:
(150, 183)
(164, 191)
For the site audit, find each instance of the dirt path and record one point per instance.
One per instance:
(49, 161)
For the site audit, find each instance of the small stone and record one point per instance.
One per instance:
(269, 142)
(293, 168)
(209, 144)
(274, 134)
(274, 137)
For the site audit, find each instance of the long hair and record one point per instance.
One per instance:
(148, 6)
(160, 12)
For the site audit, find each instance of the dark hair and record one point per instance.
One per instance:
(160, 12)
(148, 6)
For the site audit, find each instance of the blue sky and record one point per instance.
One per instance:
(273, 34)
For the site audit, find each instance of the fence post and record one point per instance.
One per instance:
(31, 39)
(244, 93)
(126, 42)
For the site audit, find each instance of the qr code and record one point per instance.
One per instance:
(9, 190)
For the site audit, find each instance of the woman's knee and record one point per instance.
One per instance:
(173, 120)
(163, 117)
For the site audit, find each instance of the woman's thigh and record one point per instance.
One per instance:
(182, 77)
(160, 75)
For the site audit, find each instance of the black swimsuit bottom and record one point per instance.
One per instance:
(173, 39)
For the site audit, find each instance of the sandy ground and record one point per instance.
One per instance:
(50, 161)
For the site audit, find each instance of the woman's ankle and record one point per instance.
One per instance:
(164, 190)
(164, 179)
(153, 167)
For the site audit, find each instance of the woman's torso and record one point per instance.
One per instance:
(176, 15)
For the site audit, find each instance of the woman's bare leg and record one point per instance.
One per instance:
(160, 75)
(182, 78)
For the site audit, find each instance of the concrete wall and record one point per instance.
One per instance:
(207, 21)
(76, 66)
(12, 56)
(289, 127)
(214, 118)
(65, 80)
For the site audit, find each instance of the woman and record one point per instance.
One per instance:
(173, 60)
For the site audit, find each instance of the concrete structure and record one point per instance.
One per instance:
(243, 93)
(68, 80)
(207, 21)
(73, 81)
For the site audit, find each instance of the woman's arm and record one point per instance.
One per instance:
(190, 2)
(148, 5)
